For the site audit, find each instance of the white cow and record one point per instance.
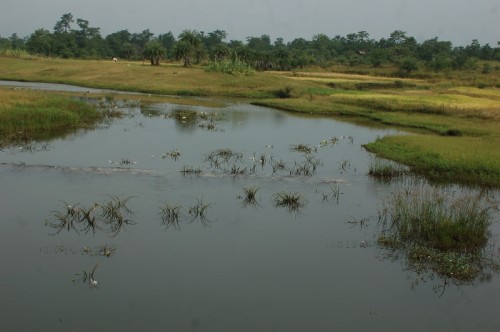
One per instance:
(115, 59)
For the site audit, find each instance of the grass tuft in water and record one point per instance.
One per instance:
(383, 169)
(293, 201)
(170, 215)
(437, 230)
(198, 211)
(249, 196)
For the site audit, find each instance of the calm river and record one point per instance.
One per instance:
(233, 267)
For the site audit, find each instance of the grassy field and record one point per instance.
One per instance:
(453, 117)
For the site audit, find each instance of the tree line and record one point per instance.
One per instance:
(72, 38)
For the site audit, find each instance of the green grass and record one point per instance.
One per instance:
(467, 160)
(36, 115)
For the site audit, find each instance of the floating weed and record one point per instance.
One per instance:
(187, 170)
(249, 196)
(293, 201)
(185, 115)
(126, 162)
(303, 148)
(170, 215)
(173, 154)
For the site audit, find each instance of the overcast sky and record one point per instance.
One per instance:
(458, 21)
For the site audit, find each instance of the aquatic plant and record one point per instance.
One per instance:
(185, 115)
(223, 158)
(249, 196)
(344, 166)
(198, 211)
(173, 154)
(333, 194)
(88, 277)
(115, 213)
(303, 148)
(170, 215)
(293, 201)
(278, 165)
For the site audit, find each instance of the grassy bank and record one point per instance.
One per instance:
(454, 116)
(34, 115)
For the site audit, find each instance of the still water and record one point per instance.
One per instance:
(241, 267)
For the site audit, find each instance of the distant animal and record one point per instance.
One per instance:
(115, 59)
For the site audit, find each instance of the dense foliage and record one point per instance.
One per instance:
(77, 39)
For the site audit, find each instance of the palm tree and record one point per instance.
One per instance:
(154, 51)
(189, 45)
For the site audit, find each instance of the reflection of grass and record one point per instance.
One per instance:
(437, 230)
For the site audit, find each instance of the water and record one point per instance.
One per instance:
(243, 268)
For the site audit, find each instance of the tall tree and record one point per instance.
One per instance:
(64, 24)
(39, 42)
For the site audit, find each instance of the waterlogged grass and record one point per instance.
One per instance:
(383, 169)
(38, 115)
(439, 231)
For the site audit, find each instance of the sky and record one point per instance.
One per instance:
(458, 21)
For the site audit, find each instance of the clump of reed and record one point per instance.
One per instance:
(429, 225)
(294, 202)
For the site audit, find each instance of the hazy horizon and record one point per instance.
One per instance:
(457, 21)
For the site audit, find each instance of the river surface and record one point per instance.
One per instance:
(236, 266)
